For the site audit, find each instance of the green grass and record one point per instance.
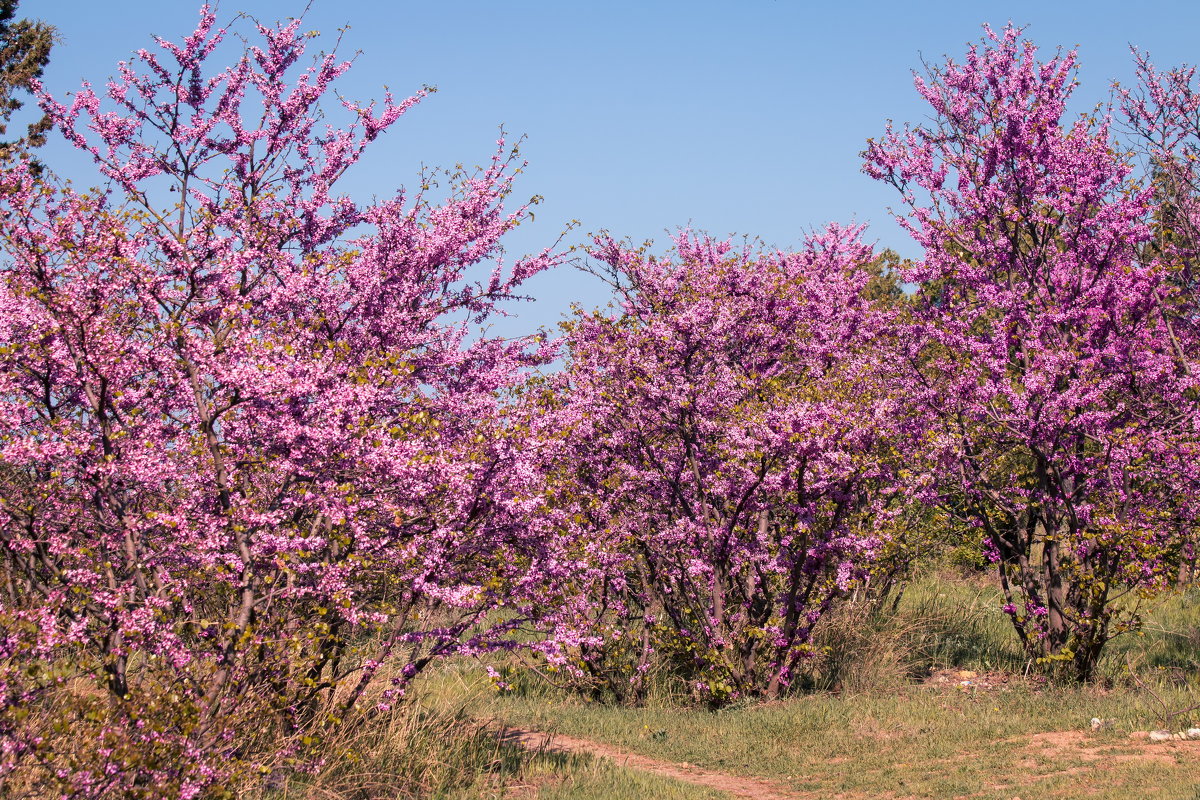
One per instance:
(888, 733)
(442, 754)
(923, 742)
(603, 780)
(445, 747)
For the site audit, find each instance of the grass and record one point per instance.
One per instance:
(891, 732)
(407, 753)
(421, 752)
(923, 742)
(603, 780)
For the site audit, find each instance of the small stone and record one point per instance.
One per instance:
(1099, 724)
(1177, 736)
(1161, 736)
(1192, 733)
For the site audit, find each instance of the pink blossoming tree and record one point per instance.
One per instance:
(733, 459)
(1039, 353)
(253, 459)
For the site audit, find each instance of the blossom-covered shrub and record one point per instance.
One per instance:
(732, 455)
(254, 460)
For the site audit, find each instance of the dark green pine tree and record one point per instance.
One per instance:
(884, 285)
(24, 51)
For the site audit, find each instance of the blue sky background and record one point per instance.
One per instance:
(739, 117)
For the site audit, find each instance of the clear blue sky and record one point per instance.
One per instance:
(743, 116)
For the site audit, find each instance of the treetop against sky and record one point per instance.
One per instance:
(644, 117)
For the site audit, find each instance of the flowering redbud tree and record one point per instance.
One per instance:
(1038, 351)
(1163, 114)
(253, 460)
(734, 453)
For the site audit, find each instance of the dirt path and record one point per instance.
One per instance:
(733, 785)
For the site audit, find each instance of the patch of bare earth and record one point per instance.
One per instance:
(968, 679)
(1056, 754)
(1080, 745)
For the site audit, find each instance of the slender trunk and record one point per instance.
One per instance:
(1058, 631)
